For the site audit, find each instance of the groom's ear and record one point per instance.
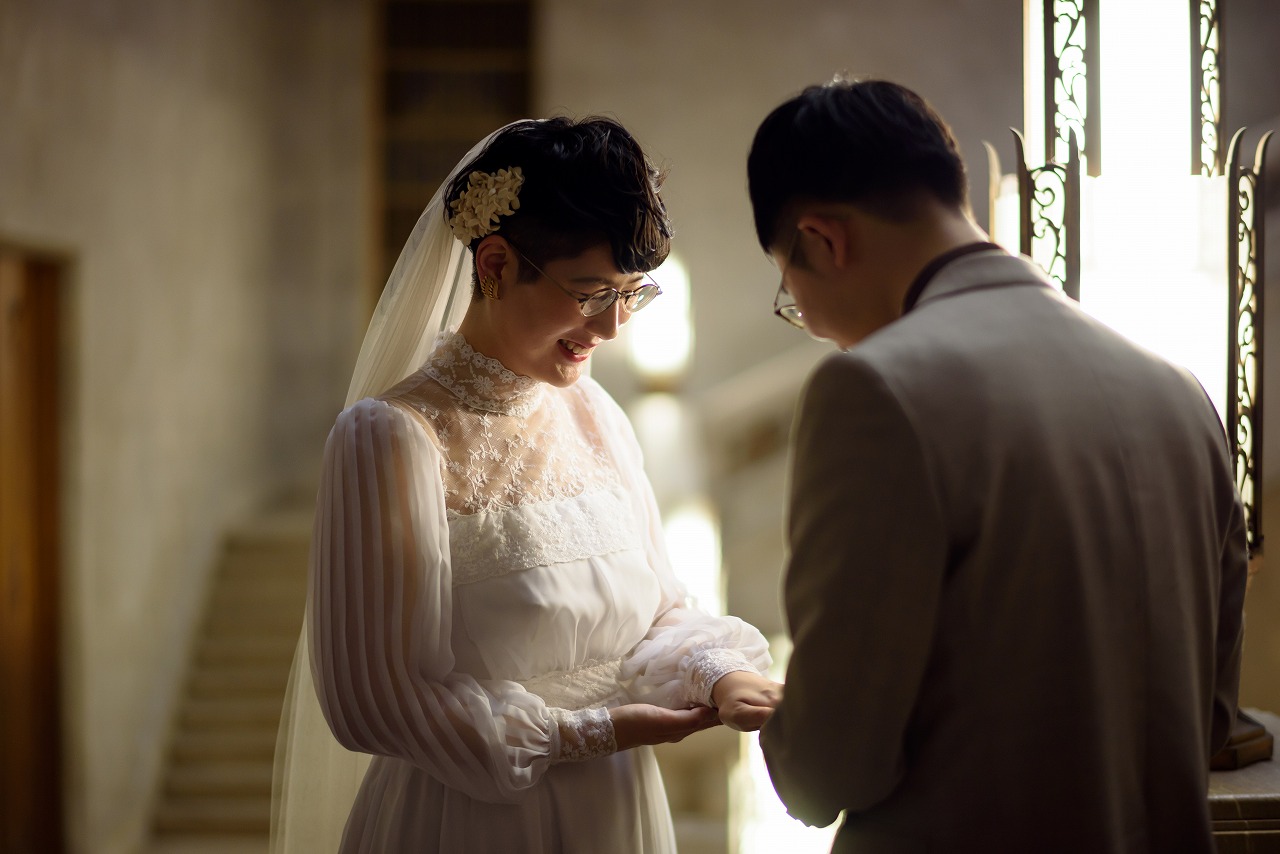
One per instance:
(830, 236)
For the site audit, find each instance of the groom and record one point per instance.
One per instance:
(1017, 557)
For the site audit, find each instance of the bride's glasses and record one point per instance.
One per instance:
(600, 301)
(784, 305)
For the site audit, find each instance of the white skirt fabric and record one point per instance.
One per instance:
(610, 804)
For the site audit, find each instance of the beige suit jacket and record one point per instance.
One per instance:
(1016, 573)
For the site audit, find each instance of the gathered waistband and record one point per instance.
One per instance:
(580, 688)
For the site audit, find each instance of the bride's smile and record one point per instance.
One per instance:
(536, 326)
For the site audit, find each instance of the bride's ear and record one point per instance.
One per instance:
(493, 256)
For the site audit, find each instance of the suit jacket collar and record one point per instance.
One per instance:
(974, 267)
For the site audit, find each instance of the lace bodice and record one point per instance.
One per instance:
(489, 576)
(506, 440)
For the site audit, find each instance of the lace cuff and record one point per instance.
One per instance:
(705, 670)
(584, 734)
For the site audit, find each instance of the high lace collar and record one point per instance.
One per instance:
(478, 381)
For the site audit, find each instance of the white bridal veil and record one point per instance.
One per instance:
(315, 779)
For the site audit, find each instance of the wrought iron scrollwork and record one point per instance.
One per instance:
(1071, 81)
(1206, 88)
(1049, 198)
(1246, 210)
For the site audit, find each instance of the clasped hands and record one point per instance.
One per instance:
(744, 701)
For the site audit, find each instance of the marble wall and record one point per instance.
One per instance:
(201, 165)
(693, 81)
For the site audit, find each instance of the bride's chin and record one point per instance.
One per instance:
(566, 375)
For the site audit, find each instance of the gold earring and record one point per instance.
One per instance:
(489, 287)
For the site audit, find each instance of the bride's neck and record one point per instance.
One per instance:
(479, 331)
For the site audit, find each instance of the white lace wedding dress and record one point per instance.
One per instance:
(488, 578)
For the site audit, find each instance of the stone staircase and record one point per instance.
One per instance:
(217, 783)
(216, 793)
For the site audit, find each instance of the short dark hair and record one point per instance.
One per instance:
(869, 143)
(586, 183)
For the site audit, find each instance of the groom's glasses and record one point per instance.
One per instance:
(600, 301)
(784, 305)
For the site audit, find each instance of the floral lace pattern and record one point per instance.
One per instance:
(588, 685)
(584, 734)
(506, 440)
(485, 545)
(705, 669)
(478, 381)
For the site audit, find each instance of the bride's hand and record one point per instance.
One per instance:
(641, 723)
(745, 700)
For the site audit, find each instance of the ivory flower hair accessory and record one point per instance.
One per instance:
(487, 197)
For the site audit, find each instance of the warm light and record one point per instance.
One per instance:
(764, 827)
(1153, 237)
(660, 338)
(1005, 230)
(693, 540)
(670, 440)
(1153, 242)
(1153, 268)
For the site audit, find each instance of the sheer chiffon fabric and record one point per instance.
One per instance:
(488, 578)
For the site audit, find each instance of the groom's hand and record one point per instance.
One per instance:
(641, 723)
(745, 699)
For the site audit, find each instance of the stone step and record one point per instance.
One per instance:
(238, 682)
(259, 731)
(218, 780)
(286, 553)
(221, 778)
(229, 815)
(266, 557)
(264, 579)
(208, 843)
(226, 743)
(275, 632)
(237, 649)
(288, 526)
(273, 588)
(199, 714)
(251, 617)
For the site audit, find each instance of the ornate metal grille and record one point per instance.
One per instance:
(1071, 81)
(1246, 213)
(1206, 88)
(1049, 200)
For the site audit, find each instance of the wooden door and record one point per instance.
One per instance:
(30, 714)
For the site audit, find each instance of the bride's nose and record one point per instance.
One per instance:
(606, 323)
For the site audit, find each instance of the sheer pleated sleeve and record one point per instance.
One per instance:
(381, 618)
(686, 650)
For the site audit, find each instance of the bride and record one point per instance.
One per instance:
(494, 634)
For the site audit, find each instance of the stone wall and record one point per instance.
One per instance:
(201, 165)
(694, 80)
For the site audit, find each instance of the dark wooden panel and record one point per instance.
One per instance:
(449, 72)
(457, 24)
(30, 738)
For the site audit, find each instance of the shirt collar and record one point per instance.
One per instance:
(935, 266)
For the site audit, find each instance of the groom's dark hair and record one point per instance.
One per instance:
(869, 143)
